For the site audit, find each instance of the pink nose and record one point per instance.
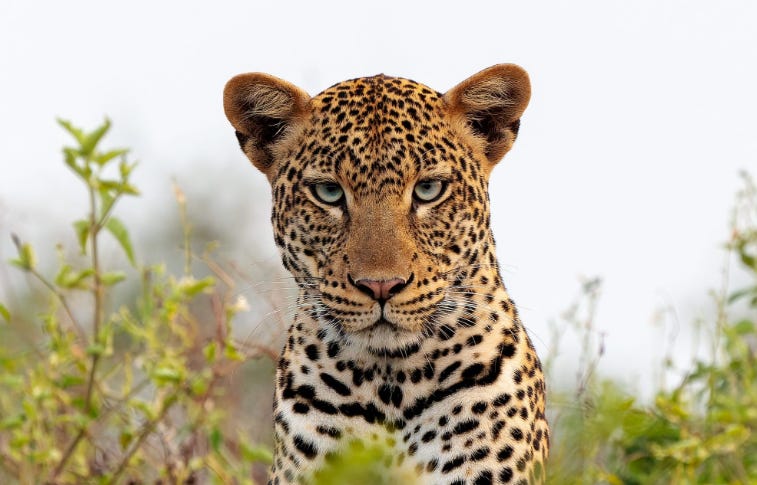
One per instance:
(380, 290)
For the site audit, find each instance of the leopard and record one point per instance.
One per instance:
(404, 332)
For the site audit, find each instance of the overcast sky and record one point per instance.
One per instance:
(642, 114)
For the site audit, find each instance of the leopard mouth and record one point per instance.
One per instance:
(381, 324)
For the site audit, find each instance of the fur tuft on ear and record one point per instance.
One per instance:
(263, 110)
(490, 104)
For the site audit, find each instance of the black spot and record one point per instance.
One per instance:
(338, 386)
(323, 406)
(306, 447)
(453, 463)
(508, 350)
(472, 371)
(312, 352)
(446, 372)
(505, 453)
(300, 408)
(385, 393)
(329, 431)
(415, 376)
(506, 474)
(428, 370)
(483, 478)
(474, 340)
(479, 407)
(497, 428)
(446, 332)
(501, 400)
(333, 349)
(465, 426)
(357, 377)
(306, 391)
(480, 454)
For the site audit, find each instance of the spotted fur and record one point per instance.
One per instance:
(404, 332)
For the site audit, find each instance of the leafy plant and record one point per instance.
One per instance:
(127, 392)
(703, 430)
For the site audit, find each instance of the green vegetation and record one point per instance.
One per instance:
(113, 378)
(127, 391)
(703, 430)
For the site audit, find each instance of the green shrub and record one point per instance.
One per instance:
(704, 430)
(126, 393)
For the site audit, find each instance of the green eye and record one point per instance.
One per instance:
(328, 192)
(428, 190)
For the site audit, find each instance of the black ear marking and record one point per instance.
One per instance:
(241, 138)
(262, 109)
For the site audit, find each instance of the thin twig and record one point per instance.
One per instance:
(63, 301)
(144, 432)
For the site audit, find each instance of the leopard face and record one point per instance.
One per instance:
(380, 191)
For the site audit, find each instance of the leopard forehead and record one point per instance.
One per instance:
(378, 134)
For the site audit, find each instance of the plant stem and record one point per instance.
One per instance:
(68, 454)
(97, 293)
(144, 432)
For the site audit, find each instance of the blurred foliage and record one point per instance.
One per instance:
(703, 430)
(99, 392)
(128, 393)
(362, 463)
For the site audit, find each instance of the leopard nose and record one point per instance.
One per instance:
(380, 290)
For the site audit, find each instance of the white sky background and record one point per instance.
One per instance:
(642, 114)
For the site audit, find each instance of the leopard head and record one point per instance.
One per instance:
(379, 189)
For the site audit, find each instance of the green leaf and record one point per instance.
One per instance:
(125, 438)
(5, 313)
(127, 188)
(210, 352)
(107, 200)
(66, 381)
(110, 155)
(82, 233)
(232, 353)
(191, 287)
(91, 140)
(13, 422)
(119, 231)
(256, 453)
(125, 169)
(68, 278)
(26, 259)
(744, 327)
(96, 350)
(70, 156)
(110, 279)
(166, 375)
(74, 131)
(215, 439)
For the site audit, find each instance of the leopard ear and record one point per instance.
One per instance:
(490, 105)
(263, 110)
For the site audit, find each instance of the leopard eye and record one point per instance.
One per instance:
(328, 192)
(428, 190)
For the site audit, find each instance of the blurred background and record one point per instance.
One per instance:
(625, 169)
